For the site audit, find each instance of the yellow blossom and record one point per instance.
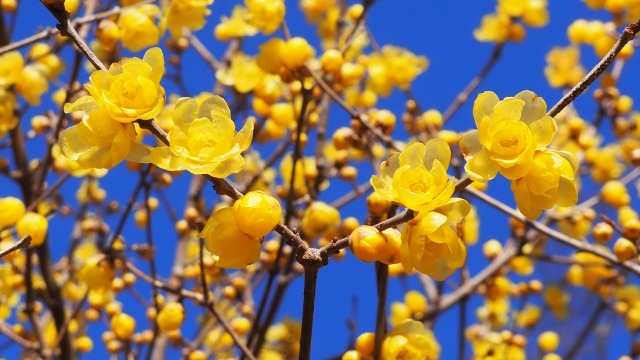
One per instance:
(42, 54)
(243, 74)
(393, 67)
(269, 59)
(410, 340)
(549, 182)
(230, 246)
(319, 217)
(33, 83)
(11, 210)
(532, 12)
(493, 28)
(8, 108)
(430, 244)
(98, 141)
(563, 66)
(137, 27)
(11, 64)
(509, 132)
(189, 14)
(35, 225)
(314, 10)
(266, 15)
(257, 213)
(417, 176)
(130, 90)
(171, 316)
(236, 26)
(202, 141)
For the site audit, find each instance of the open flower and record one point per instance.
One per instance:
(410, 340)
(130, 90)
(98, 141)
(509, 133)
(202, 141)
(430, 243)
(549, 182)
(190, 14)
(417, 176)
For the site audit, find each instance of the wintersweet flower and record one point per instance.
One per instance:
(11, 64)
(190, 14)
(235, 26)
(231, 247)
(130, 90)
(431, 245)
(202, 141)
(509, 133)
(410, 340)
(549, 182)
(266, 15)
(563, 66)
(137, 27)
(98, 141)
(394, 67)
(417, 176)
(11, 210)
(33, 83)
(8, 107)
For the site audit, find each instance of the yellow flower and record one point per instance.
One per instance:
(549, 182)
(236, 26)
(202, 141)
(257, 213)
(493, 28)
(190, 14)
(123, 326)
(319, 217)
(98, 141)
(532, 12)
(11, 64)
(131, 89)
(35, 225)
(223, 238)
(171, 316)
(8, 108)
(509, 132)
(410, 340)
(33, 83)
(62, 163)
(137, 28)
(430, 244)
(393, 67)
(417, 176)
(266, 15)
(42, 54)
(314, 10)
(243, 74)
(563, 66)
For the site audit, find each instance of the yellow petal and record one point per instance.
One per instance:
(480, 167)
(483, 105)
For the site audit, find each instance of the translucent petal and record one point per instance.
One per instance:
(455, 209)
(470, 143)
(534, 106)
(483, 105)
(543, 129)
(480, 167)
(155, 59)
(437, 149)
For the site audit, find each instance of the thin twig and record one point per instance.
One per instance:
(20, 244)
(627, 35)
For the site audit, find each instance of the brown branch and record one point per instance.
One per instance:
(308, 304)
(627, 35)
(382, 281)
(463, 97)
(20, 244)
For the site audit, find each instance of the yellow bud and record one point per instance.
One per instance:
(319, 217)
(257, 213)
(416, 302)
(377, 205)
(241, 325)
(365, 343)
(197, 355)
(602, 232)
(11, 210)
(615, 194)
(625, 249)
(295, 52)
(351, 355)
(331, 61)
(35, 225)
(366, 243)
(170, 317)
(393, 241)
(355, 11)
(548, 341)
(491, 249)
(84, 344)
(123, 326)
(97, 272)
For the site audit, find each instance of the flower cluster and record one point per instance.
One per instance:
(416, 178)
(129, 91)
(504, 25)
(512, 139)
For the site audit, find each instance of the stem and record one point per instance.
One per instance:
(382, 279)
(463, 97)
(20, 244)
(310, 281)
